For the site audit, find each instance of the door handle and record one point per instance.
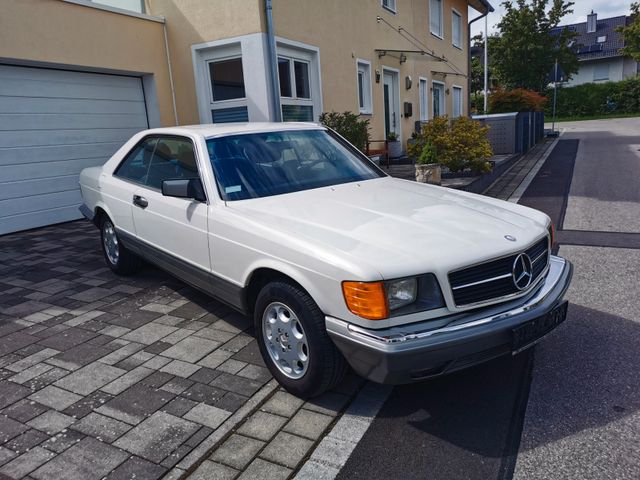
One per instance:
(140, 201)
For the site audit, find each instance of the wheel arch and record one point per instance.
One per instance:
(260, 276)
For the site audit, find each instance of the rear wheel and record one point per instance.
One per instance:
(121, 260)
(294, 342)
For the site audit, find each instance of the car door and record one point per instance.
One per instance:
(117, 190)
(175, 226)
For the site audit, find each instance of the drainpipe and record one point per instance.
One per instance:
(273, 64)
(489, 10)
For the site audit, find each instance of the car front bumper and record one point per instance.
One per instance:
(417, 351)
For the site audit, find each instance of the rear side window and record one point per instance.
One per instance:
(135, 166)
(173, 159)
(157, 159)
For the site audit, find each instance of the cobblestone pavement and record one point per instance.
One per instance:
(135, 377)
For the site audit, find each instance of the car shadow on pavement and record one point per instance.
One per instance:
(586, 374)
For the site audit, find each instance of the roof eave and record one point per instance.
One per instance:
(482, 6)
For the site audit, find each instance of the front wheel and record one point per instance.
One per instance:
(118, 257)
(294, 342)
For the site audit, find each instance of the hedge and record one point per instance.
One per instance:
(592, 99)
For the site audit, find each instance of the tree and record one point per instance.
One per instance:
(529, 43)
(477, 63)
(631, 34)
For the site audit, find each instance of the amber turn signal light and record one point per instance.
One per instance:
(366, 299)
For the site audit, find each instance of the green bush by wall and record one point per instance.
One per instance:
(597, 99)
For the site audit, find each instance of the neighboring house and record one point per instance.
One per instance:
(78, 78)
(598, 47)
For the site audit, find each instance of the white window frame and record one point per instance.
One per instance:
(440, 14)
(423, 92)
(364, 67)
(229, 51)
(455, 13)
(443, 103)
(391, 5)
(453, 102)
(309, 54)
(256, 85)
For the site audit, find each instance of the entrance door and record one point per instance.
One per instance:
(391, 103)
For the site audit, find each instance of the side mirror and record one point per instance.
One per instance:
(190, 188)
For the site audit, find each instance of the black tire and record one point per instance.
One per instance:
(126, 262)
(326, 365)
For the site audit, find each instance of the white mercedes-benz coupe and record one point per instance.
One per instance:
(338, 263)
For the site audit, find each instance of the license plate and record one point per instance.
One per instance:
(529, 333)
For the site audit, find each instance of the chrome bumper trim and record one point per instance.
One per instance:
(556, 270)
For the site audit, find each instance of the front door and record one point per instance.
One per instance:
(391, 103)
(177, 226)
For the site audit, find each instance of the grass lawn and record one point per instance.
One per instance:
(548, 119)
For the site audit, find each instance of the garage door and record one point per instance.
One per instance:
(54, 123)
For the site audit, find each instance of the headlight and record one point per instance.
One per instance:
(401, 292)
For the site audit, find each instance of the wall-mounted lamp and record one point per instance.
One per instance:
(408, 82)
(403, 58)
(377, 76)
(447, 91)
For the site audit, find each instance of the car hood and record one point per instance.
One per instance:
(398, 227)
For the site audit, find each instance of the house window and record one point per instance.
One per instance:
(389, 5)
(438, 99)
(457, 101)
(228, 96)
(435, 17)
(227, 79)
(364, 86)
(295, 90)
(602, 39)
(424, 102)
(601, 72)
(456, 29)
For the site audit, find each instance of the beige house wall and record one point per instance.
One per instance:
(348, 30)
(53, 32)
(191, 22)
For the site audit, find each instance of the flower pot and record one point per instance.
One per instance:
(395, 149)
(429, 173)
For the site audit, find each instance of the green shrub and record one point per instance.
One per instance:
(516, 100)
(593, 99)
(350, 126)
(457, 144)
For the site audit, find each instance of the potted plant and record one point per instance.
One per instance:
(428, 170)
(395, 146)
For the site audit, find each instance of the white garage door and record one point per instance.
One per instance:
(54, 123)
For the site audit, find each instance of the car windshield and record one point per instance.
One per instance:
(272, 163)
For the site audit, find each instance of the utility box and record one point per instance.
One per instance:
(515, 132)
(502, 131)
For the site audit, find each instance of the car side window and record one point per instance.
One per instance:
(135, 166)
(173, 159)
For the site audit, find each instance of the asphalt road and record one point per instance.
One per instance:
(570, 408)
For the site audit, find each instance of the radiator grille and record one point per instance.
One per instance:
(493, 279)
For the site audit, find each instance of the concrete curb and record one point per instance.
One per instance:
(518, 192)
(335, 449)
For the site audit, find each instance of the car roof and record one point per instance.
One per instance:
(222, 129)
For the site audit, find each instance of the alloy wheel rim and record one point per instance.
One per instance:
(110, 241)
(285, 340)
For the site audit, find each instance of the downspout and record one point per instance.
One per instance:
(489, 10)
(273, 64)
(173, 90)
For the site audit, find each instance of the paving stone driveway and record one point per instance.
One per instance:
(109, 376)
